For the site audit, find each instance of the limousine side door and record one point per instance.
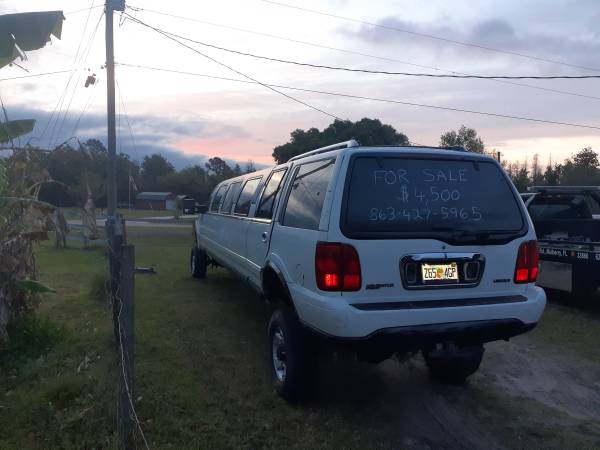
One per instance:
(258, 235)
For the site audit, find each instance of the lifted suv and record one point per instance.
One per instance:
(379, 249)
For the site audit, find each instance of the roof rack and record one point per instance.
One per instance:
(347, 144)
(458, 148)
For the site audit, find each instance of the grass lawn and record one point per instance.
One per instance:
(569, 328)
(75, 213)
(201, 378)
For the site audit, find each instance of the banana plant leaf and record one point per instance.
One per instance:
(15, 128)
(5, 201)
(23, 32)
(34, 287)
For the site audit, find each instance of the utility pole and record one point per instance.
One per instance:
(111, 190)
(121, 257)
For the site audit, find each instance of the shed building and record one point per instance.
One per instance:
(155, 200)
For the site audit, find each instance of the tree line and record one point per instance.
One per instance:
(77, 170)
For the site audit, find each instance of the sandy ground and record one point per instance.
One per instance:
(523, 396)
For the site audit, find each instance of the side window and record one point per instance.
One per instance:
(265, 207)
(232, 193)
(242, 207)
(594, 205)
(307, 194)
(217, 198)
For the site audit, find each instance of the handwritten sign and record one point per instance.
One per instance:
(397, 193)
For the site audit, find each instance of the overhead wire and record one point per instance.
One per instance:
(60, 102)
(353, 52)
(77, 11)
(382, 72)
(82, 60)
(89, 102)
(383, 100)
(33, 75)
(430, 36)
(163, 33)
(127, 120)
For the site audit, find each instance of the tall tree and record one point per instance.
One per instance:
(219, 168)
(154, 167)
(189, 181)
(464, 137)
(582, 169)
(366, 131)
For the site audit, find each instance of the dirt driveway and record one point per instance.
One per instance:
(522, 397)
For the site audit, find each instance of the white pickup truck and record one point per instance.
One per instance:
(380, 249)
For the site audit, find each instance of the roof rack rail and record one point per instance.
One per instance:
(347, 144)
(458, 148)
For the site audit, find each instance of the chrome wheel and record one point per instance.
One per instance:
(278, 351)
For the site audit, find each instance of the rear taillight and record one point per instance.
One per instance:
(526, 269)
(337, 267)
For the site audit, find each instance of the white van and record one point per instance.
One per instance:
(382, 249)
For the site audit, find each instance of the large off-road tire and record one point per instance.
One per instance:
(585, 287)
(450, 363)
(292, 360)
(198, 262)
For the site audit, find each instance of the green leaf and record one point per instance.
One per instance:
(3, 177)
(15, 128)
(33, 287)
(4, 201)
(23, 32)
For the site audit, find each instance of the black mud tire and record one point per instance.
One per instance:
(453, 364)
(198, 263)
(296, 351)
(585, 287)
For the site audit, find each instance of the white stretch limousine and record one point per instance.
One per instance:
(381, 249)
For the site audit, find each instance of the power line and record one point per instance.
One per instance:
(163, 33)
(37, 75)
(127, 120)
(82, 60)
(430, 36)
(60, 102)
(359, 97)
(89, 102)
(353, 52)
(81, 10)
(385, 72)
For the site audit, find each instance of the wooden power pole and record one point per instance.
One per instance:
(121, 257)
(111, 190)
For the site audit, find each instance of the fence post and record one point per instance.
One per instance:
(125, 300)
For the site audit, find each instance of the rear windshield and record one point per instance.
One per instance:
(557, 207)
(395, 195)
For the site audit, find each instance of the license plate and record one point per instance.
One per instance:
(439, 272)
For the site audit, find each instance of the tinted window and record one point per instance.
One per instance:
(307, 194)
(265, 208)
(217, 198)
(395, 195)
(242, 207)
(232, 193)
(554, 207)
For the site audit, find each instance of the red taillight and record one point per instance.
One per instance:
(337, 267)
(526, 269)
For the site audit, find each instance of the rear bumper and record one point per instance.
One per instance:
(482, 321)
(382, 344)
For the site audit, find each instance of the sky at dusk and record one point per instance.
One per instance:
(189, 118)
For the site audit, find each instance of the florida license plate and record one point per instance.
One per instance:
(439, 272)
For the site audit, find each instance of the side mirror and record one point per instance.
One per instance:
(201, 209)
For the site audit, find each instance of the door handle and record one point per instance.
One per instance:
(264, 236)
